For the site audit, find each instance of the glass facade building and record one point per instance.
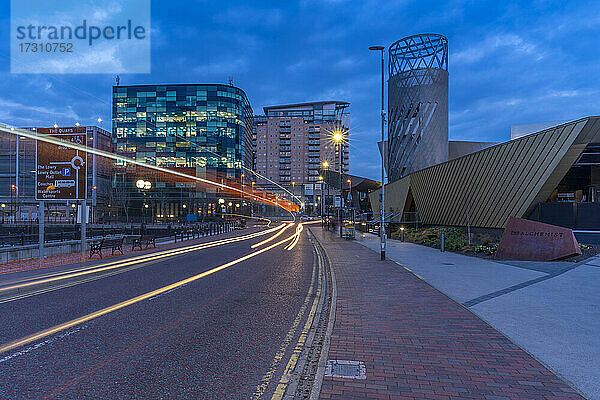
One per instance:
(205, 127)
(204, 130)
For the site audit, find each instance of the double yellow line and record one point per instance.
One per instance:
(46, 332)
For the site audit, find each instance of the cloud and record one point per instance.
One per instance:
(31, 115)
(510, 43)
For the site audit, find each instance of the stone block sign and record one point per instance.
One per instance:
(535, 241)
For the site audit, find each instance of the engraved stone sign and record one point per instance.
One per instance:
(535, 241)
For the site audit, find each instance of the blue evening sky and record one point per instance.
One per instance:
(510, 62)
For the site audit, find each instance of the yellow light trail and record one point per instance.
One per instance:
(113, 156)
(46, 332)
(136, 260)
(272, 237)
(296, 235)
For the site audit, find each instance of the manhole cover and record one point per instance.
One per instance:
(346, 369)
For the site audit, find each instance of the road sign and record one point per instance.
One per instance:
(61, 170)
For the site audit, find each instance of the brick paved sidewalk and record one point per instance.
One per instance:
(416, 343)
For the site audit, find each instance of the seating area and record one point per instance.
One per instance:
(143, 240)
(114, 244)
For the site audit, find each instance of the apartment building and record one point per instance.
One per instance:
(292, 142)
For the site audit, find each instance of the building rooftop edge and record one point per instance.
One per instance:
(280, 106)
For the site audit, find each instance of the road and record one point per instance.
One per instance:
(216, 322)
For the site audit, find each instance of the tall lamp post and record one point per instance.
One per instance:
(338, 138)
(383, 150)
(326, 167)
(322, 200)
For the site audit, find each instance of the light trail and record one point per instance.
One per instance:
(136, 260)
(49, 139)
(60, 327)
(296, 237)
(272, 237)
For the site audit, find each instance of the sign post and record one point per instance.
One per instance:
(41, 231)
(61, 172)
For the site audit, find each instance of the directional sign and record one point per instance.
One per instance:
(61, 170)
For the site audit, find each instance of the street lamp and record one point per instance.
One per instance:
(349, 182)
(322, 200)
(326, 167)
(383, 150)
(338, 137)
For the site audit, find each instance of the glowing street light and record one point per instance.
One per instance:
(142, 184)
(221, 201)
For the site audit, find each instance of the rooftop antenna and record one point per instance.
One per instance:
(117, 79)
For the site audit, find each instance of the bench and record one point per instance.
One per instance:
(146, 240)
(114, 244)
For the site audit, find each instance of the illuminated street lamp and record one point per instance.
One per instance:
(322, 200)
(338, 137)
(349, 188)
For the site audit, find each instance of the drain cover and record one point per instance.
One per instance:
(346, 369)
(448, 263)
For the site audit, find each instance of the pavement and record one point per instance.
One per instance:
(218, 336)
(410, 341)
(551, 309)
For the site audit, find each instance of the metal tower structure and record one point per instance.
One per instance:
(417, 104)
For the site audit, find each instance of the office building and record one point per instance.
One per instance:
(200, 129)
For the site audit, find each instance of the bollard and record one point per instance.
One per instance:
(443, 241)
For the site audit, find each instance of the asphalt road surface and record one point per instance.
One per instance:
(218, 336)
